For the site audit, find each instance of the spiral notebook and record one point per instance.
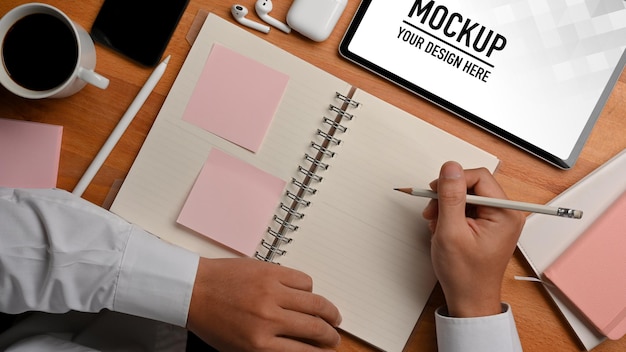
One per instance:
(341, 151)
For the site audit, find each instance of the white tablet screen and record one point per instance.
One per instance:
(535, 72)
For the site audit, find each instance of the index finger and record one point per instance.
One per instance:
(481, 181)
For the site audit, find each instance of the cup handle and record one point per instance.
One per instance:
(91, 77)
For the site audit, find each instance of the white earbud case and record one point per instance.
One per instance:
(315, 19)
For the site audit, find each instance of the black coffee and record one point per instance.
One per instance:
(40, 52)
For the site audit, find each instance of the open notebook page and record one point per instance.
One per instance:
(174, 152)
(367, 246)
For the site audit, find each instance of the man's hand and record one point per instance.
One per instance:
(471, 247)
(249, 305)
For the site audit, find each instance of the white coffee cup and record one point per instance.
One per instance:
(78, 66)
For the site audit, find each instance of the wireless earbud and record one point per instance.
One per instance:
(240, 12)
(263, 8)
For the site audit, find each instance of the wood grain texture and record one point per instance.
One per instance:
(89, 116)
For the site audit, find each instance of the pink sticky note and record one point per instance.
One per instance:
(236, 98)
(232, 202)
(29, 154)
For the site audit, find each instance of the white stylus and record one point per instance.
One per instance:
(119, 130)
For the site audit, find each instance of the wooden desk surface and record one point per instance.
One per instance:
(89, 116)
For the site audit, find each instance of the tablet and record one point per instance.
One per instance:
(536, 73)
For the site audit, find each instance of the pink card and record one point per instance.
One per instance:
(592, 271)
(232, 202)
(29, 154)
(236, 98)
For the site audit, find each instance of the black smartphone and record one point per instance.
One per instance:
(138, 29)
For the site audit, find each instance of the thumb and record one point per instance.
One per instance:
(451, 190)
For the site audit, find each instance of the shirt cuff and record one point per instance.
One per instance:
(490, 333)
(156, 279)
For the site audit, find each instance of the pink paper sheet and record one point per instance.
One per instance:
(236, 98)
(232, 202)
(29, 154)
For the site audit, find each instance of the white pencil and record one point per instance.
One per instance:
(121, 127)
(501, 203)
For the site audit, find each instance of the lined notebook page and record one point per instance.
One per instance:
(172, 156)
(367, 246)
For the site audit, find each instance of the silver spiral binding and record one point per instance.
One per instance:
(272, 248)
(341, 112)
(285, 223)
(262, 257)
(349, 101)
(291, 211)
(297, 199)
(278, 236)
(322, 149)
(328, 137)
(271, 245)
(316, 162)
(310, 174)
(303, 187)
(335, 125)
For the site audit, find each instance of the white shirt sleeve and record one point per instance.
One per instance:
(59, 252)
(495, 333)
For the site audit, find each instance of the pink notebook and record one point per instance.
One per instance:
(29, 154)
(591, 273)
